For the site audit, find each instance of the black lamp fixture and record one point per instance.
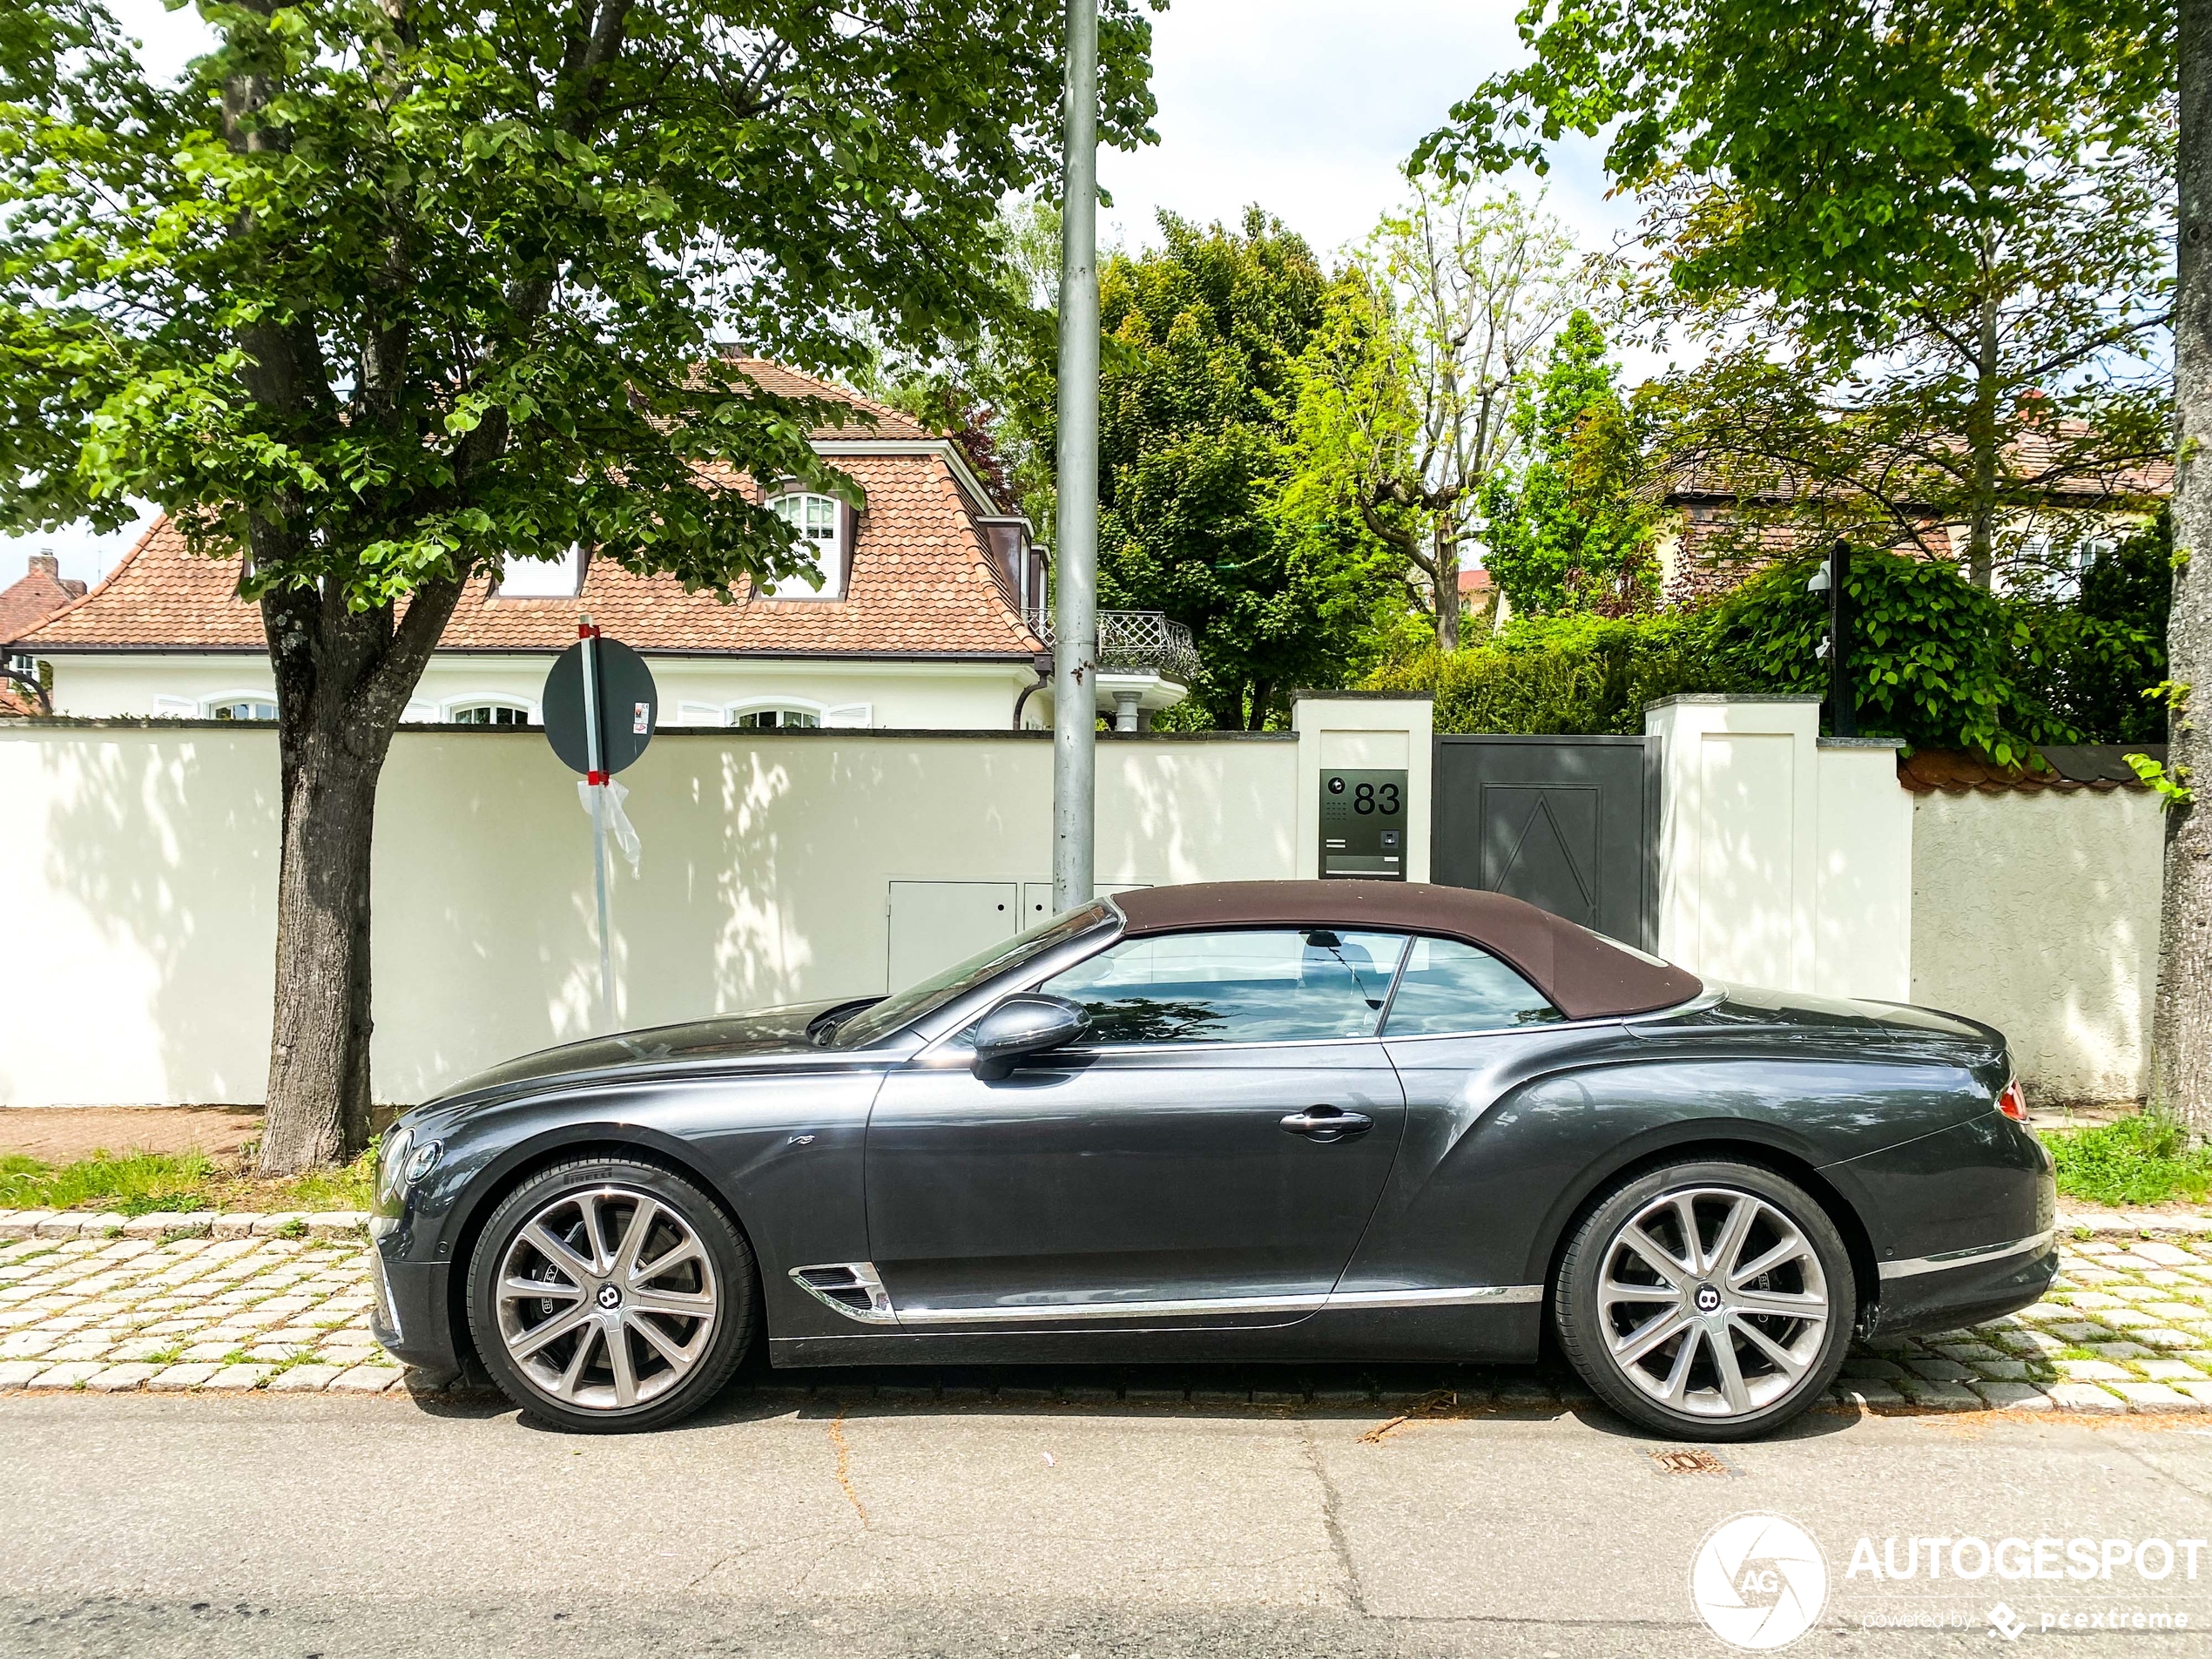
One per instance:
(1833, 578)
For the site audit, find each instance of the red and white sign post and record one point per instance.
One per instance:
(593, 677)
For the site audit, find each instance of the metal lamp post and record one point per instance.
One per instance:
(1075, 585)
(1833, 579)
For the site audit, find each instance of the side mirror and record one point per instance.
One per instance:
(1023, 1025)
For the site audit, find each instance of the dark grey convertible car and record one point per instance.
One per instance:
(1251, 1121)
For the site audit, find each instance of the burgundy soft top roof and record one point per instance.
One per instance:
(1584, 976)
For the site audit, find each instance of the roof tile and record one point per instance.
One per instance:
(923, 584)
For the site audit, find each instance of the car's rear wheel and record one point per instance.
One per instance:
(608, 1295)
(1707, 1301)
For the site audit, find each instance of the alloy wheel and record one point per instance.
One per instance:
(1712, 1302)
(606, 1299)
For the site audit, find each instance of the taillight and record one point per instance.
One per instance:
(2012, 1102)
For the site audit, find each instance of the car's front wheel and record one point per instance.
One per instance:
(606, 1294)
(1708, 1300)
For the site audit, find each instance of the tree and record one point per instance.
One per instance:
(2181, 1020)
(1412, 397)
(1959, 234)
(1575, 530)
(388, 293)
(994, 387)
(1196, 517)
(1981, 395)
(1848, 136)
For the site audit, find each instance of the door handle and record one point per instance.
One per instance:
(1327, 1124)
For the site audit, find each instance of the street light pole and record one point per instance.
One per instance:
(1843, 720)
(1074, 721)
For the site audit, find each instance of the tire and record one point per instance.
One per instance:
(1646, 1334)
(633, 1350)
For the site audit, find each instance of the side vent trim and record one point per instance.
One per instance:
(854, 1289)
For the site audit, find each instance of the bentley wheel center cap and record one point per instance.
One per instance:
(610, 1297)
(1708, 1299)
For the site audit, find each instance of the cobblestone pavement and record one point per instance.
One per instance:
(234, 1304)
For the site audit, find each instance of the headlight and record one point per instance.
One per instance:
(391, 1163)
(425, 1160)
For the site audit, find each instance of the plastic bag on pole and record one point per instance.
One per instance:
(619, 824)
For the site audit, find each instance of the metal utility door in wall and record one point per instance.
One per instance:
(1568, 823)
(934, 924)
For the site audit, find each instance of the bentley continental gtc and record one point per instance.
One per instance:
(1253, 1121)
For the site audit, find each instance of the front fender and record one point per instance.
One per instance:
(782, 1153)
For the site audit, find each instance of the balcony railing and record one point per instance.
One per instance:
(1135, 642)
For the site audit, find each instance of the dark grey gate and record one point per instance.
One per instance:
(1568, 823)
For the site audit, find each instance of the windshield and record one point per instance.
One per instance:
(934, 992)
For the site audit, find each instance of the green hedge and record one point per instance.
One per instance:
(1940, 663)
(1562, 674)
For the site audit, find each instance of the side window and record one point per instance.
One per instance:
(1449, 986)
(1263, 986)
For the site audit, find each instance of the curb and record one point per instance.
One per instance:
(164, 1223)
(2129, 1223)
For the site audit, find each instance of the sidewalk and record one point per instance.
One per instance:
(237, 1304)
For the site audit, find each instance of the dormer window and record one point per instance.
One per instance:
(818, 520)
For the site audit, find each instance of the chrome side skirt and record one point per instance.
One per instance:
(841, 1285)
(1944, 1262)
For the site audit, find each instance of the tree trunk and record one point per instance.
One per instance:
(1256, 719)
(1982, 437)
(1447, 583)
(319, 1072)
(342, 678)
(2182, 1028)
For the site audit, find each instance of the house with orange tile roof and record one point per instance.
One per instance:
(924, 610)
(42, 591)
(1705, 552)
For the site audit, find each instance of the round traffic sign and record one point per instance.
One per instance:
(628, 706)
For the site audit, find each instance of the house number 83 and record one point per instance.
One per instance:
(1364, 801)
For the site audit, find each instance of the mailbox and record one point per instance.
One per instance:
(1363, 824)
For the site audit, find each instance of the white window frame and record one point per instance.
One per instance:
(826, 714)
(763, 705)
(449, 708)
(831, 563)
(209, 705)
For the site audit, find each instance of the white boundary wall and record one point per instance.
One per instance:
(2037, 912)
(138, 884)
(1785, 860)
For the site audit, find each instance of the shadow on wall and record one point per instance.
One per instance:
(153, 914)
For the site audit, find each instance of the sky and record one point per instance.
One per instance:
(1306, 107)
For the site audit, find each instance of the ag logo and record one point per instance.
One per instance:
(1759, 1581)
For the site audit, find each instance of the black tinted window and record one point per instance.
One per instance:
(1449, 986)
(1260, 986)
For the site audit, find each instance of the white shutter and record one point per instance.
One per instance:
(698, 714)
(420, 714)
(175, 708)
(849, 714)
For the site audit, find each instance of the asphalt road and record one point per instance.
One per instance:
(791, 1525)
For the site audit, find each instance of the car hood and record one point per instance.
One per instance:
(762, 1036)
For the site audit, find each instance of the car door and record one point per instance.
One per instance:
(1211, 1152)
